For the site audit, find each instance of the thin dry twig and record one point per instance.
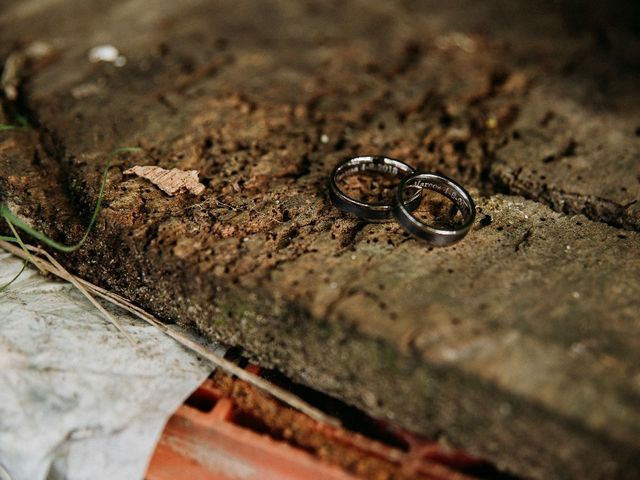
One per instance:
(22, 245)
(74, 280)
(52, 266)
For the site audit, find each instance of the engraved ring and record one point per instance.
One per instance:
(372, 212)
(432, 181)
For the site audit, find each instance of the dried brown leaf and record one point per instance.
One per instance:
(169, 181)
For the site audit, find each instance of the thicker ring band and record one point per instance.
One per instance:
(447, 187)
(372, 212)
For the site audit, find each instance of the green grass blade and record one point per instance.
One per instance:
(22, 121)
(21, 243)
(23, 124)
(8, 284)
(13, 219)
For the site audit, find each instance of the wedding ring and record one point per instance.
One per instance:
(439, 183)
(372, 212)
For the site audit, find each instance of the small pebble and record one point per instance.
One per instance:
(578, 348)
(505, 409)
(107, 53)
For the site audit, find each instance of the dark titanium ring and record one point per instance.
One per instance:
(371, 212)
(447, 187)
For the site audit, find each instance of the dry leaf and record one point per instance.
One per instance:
(169, 181)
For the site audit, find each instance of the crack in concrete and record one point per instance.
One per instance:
(593, 207)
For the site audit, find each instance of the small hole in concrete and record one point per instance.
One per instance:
(486, 221)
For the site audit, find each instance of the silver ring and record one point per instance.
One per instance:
(372, 212)
(447, 187)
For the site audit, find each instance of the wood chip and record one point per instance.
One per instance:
(169, 181)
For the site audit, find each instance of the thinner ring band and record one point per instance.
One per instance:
(372, 212)
(447, 187)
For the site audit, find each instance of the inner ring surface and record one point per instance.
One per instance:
(447, 187)
(370, 164)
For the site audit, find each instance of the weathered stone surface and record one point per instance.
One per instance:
(577, 158)
(520, 343)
